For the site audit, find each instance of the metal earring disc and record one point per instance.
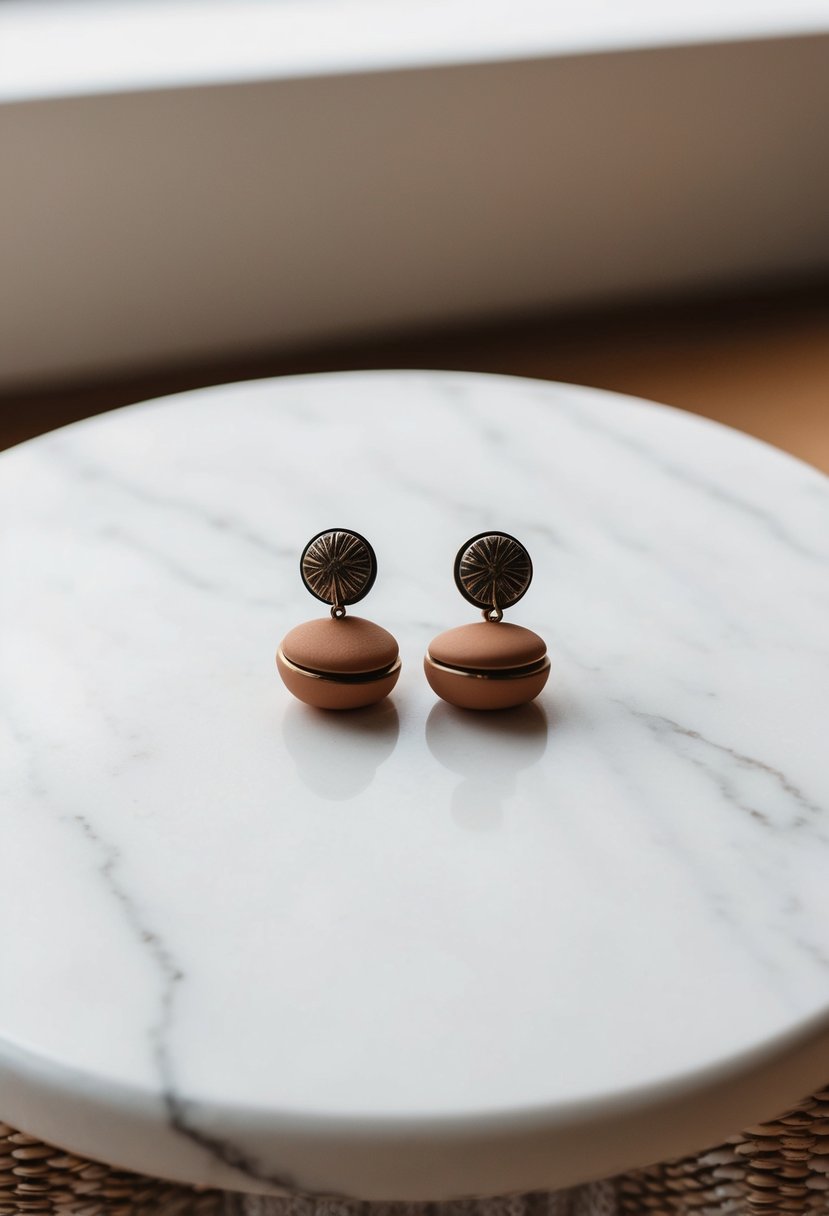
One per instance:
(339, 567)
(493, 571)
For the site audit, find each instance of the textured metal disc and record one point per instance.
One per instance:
(493, 570)
(338, 566)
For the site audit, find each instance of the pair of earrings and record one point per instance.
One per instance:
(346, 662)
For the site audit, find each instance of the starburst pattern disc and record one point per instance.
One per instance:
(338, 566)
(493, 570)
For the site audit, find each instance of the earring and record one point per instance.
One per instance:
(491, 665)
(338, 662)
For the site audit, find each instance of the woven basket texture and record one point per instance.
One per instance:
(776, 1168)
(37, 1178)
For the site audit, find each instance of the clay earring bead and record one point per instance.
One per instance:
(492, 664)
(339, 661)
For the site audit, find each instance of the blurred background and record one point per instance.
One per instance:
(198, 191)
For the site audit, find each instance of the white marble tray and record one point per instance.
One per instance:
(410, 953)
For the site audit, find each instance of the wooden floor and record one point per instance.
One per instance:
(758, 361)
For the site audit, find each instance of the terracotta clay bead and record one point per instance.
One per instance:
(489, 665)
(339, 661)
(343, 663)
(485, 645)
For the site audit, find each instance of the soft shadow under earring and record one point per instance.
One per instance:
(491, 665)
(339, 661)
(489, 752)
(355, 746)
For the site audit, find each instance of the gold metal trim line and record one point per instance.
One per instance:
(491, 673)
(337, 677)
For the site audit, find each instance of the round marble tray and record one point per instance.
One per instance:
(410, 953)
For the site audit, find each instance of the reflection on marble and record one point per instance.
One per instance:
(337, 754)
(402, 953)
(487, 750)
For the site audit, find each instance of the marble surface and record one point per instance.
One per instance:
(409, 952)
